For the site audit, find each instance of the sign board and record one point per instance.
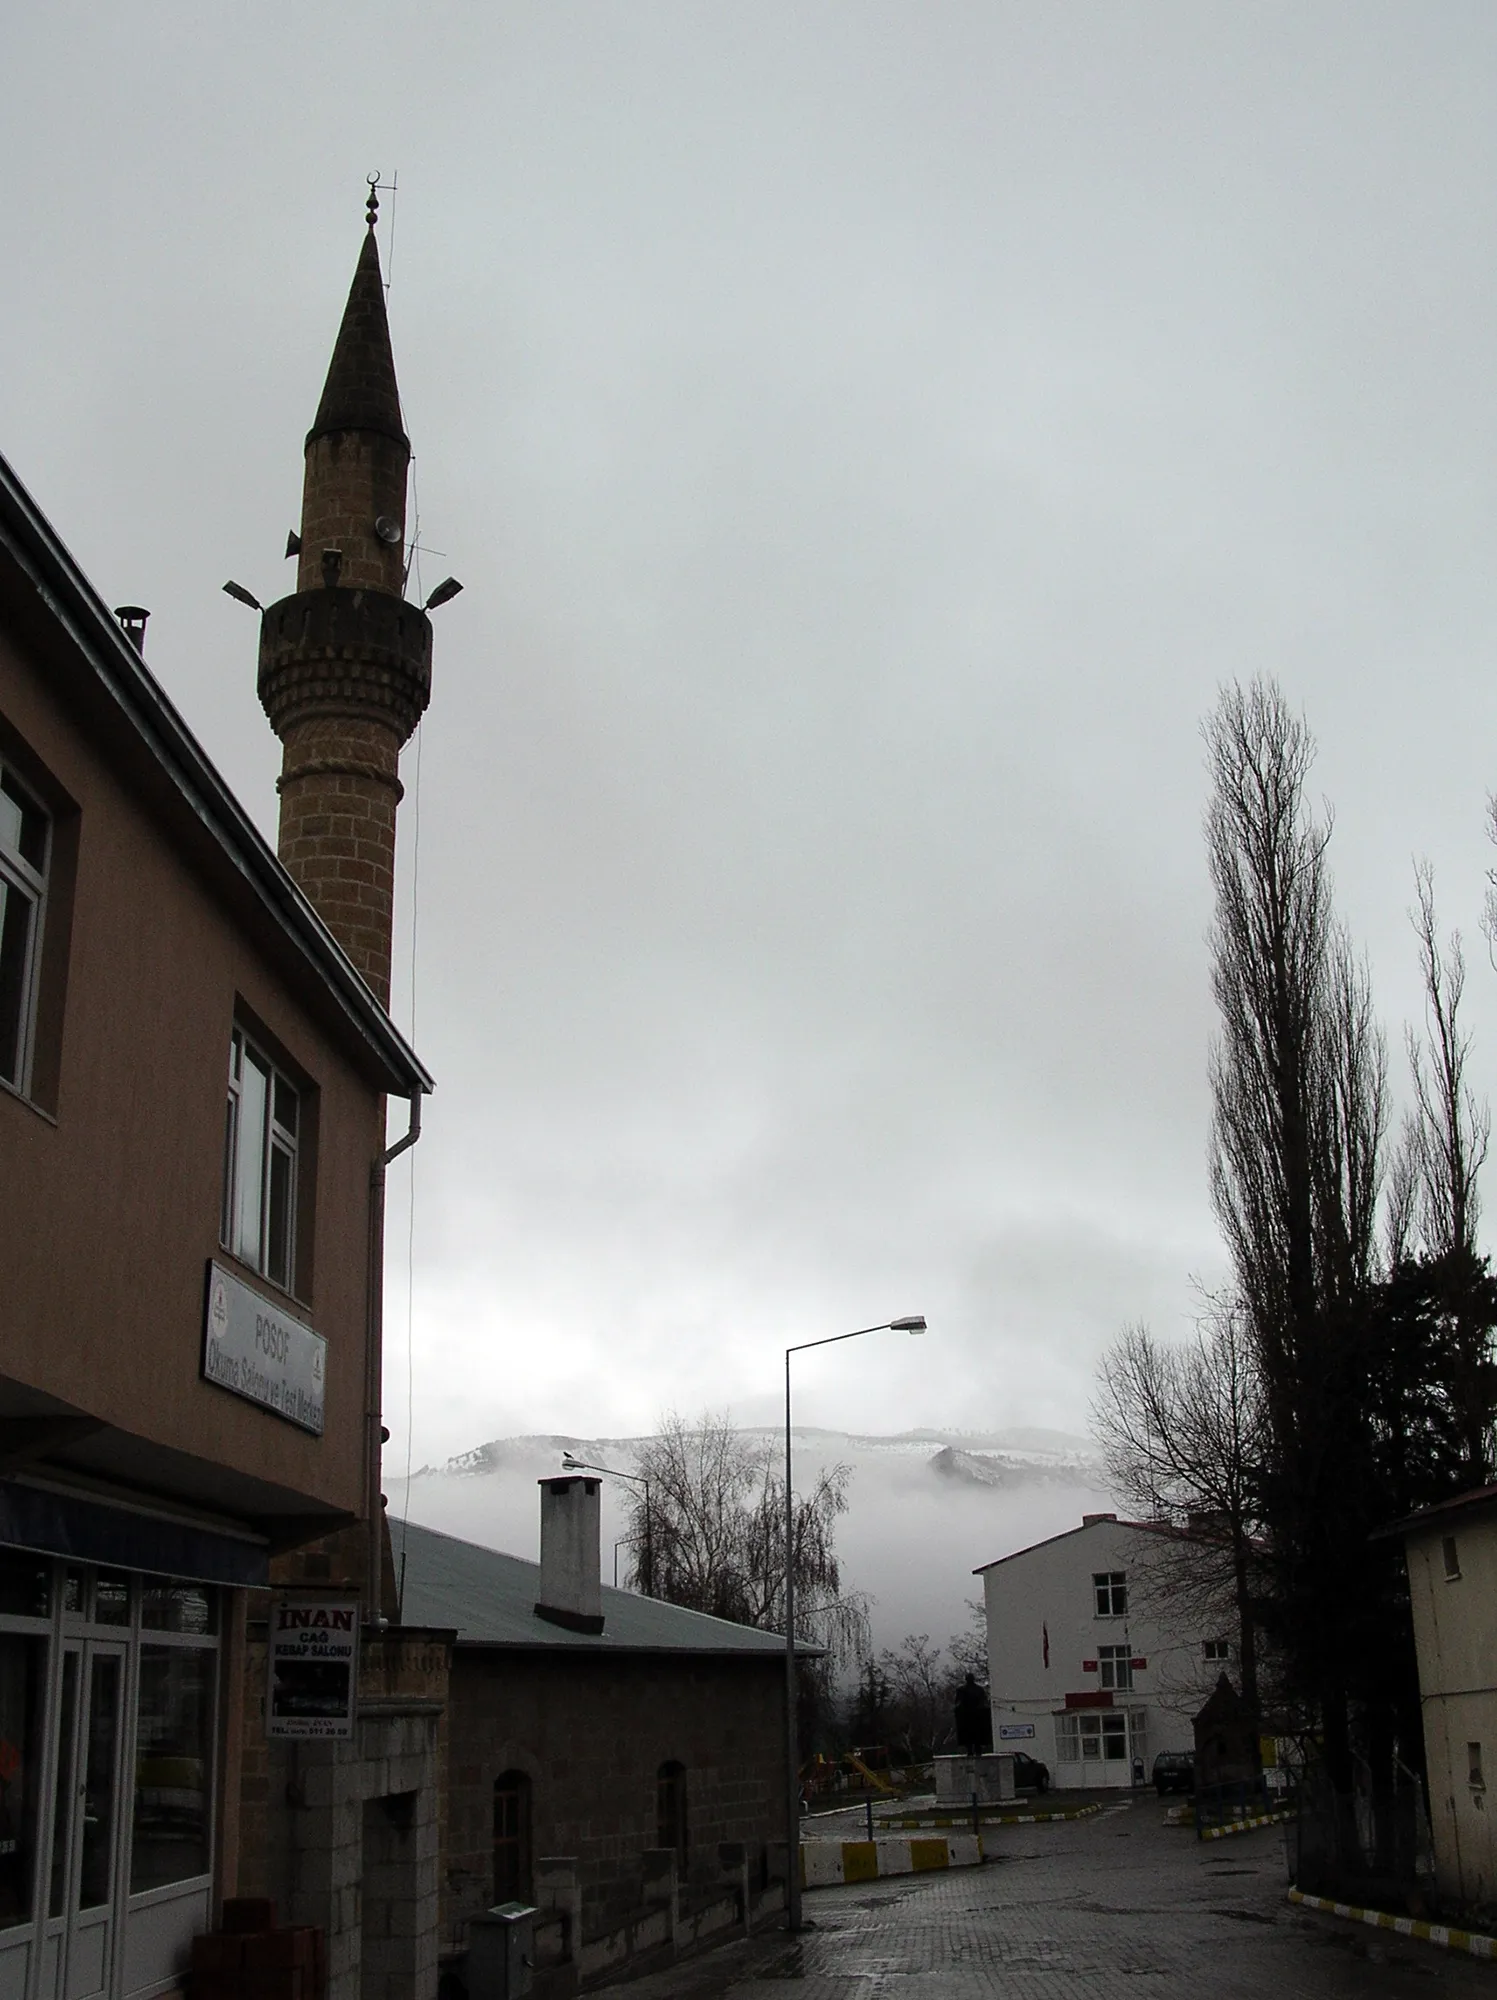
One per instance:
(255, 1350)
(1015, 1732)
(313, 1667)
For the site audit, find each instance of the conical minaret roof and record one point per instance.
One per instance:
(360, 393)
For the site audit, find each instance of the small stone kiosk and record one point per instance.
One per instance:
(1229, 1762)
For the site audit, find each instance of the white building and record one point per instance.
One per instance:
(1082, 1675)
(1451, 1551)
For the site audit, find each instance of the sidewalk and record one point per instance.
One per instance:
(1118, 1906)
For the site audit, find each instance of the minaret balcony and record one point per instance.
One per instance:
(343, 651)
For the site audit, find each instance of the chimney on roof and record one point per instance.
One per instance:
(571, 1563)
(1091, 1520)
(132, 619)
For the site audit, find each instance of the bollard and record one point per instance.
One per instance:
(868, 1803)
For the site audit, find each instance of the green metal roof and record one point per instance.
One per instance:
(489, 1599)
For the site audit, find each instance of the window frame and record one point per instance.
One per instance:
(26, 879)
(1216, 1652)
(1092, 1736)
(1110, 1593)
(1115, 1666)
(514, 1800)
(672, 1813)
(250, 1237)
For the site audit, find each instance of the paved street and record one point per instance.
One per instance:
(1112, 1906)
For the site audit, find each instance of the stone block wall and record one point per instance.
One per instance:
(345, 1835)
(591, 1731)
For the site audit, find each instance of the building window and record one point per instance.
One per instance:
(1452, 1557)
(1474, 1777)
(1116, 1666)
(1110, 1587)
(1092, 1737)
(512, 1837)
(670, 1811)
(260, 1151)
(24, 832)
(173, 1766)
(1216, 1651)
(23, 1678)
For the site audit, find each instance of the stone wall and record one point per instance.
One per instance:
(591, 1731)
(345, 1835)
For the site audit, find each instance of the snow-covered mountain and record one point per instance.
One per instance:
(925, 1507)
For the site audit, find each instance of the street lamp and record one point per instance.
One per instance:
(914, 1323)
(571, 1464)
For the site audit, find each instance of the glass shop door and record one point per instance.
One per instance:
(81, 1900)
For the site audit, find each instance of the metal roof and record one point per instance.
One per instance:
(1089, 1522)
(489, 1599)
(136, 702)
(1473, 1501)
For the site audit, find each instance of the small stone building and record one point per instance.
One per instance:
(615, 1760)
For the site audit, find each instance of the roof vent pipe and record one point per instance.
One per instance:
(571, 1564)
(132, 619)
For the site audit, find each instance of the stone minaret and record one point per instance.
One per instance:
(345, 663)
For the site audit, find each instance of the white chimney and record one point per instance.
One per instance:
(571, 1574)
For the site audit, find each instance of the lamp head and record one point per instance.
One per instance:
(443, 594)
(914, 1324)
(242, 596)
(569, 1463)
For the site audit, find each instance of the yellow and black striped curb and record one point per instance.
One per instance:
(1245, 1825)
(1470, 1942)
(825, 1862)
(959, 1818)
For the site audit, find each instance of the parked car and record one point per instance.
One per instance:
(1175, 1771)
(1030, 1775)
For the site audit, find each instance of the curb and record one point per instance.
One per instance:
(1470, 1942)
(1232, 1826)
(959, 1818)
(824, 1863)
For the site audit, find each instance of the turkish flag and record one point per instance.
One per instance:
(1045, 1639)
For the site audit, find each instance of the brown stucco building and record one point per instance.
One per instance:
(195, 1059)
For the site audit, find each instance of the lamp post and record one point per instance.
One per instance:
(914, 1323)
(571, 1464)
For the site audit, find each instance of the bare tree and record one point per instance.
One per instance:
(969, 1649)
(711, 1535)
(1446, 1136)
(920, 1693)
(1182, 1438)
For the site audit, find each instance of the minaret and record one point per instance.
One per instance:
(345, 663)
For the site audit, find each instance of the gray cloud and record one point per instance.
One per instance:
(868, 436)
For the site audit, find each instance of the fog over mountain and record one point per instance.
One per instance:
(925, 1507)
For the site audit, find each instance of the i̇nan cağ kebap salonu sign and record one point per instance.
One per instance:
(314, 1667)
(255, 1350)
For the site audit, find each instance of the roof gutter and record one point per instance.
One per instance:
(374, 1369)
(142, 703)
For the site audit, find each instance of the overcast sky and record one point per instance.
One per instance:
(868, 435)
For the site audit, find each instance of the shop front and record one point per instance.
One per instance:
(110, 1695)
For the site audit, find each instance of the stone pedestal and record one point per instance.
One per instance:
(991, 1778)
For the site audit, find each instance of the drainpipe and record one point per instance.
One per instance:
(374, 1430)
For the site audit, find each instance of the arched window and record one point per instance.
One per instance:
(670, 1811)
(512, 1839)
